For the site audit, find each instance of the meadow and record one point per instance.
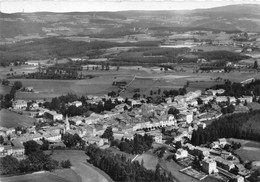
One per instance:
(147, 79)
(86, 171)
(249, 151)
(149, 160)
(11, 119)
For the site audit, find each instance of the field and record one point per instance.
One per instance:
(5, 89)
(10, 119)
(249, 151)
(39, 177)
(150, 160)
(116, 151)
(146, 79)
(86, 171)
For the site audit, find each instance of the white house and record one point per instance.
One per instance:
(181, 153)
(209, 166)
(19, 104)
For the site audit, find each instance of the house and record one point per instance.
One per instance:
(225, 164)
(53, 115)
(237, 179)
(181, 153)
(214, 144)
(157, 136)
(76, 103)
(214, 92)
(95, 140)
(6, 131)
(247, 99)
(20, 104)
(187, 116)
(28, 89)
(222, 142)
(221, 99)
(209, 166)
(15, 151)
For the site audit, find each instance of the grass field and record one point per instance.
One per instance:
(86, 171)
(149, 159)
(39, 177)
(249, 151)
(147, 78)
(10, 119)
(5, 89)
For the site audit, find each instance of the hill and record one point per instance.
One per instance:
(228, 18)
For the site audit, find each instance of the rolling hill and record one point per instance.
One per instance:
(42, 24)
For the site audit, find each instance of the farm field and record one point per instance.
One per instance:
(17, 70)
(146, 79)
(86, 171)
(249, 151)
(11, 119)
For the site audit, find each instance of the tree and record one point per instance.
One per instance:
(1, 139)
(9, 165)
(108, 133)
(31, 147)
(255, 65)
(18, 85)
(65, 164)
(5, 82)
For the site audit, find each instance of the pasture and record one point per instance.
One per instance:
(249, 151)
(11, 119)
(86, 171)
(147, 79)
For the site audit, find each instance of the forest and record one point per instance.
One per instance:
(138, 145)
(242, 126)
(121, 169)
(238, 89)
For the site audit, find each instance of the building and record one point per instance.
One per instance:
(20, 104)
(157, 136)
(15, 151)
(76, 103)
(222, 142)
(221, 99)
(187, 116)
(95, 140)
(181, 153)
(209, 165)
(224, 164)
(247, 99)
(53, 115)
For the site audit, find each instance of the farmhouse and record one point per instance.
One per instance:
(19, 104)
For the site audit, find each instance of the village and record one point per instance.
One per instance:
(182, 114)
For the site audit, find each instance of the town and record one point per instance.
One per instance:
(119, 119)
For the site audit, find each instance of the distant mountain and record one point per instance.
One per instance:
(112, 24)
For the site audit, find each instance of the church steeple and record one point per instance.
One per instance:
(67, 123)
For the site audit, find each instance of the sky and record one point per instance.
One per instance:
(12, 6)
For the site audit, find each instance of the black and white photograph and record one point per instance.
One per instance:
(129, 91)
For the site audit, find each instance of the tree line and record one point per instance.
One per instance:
(36, 160)
(242, 125)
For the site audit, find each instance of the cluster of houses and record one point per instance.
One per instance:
(214, 159)
(126, 120)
